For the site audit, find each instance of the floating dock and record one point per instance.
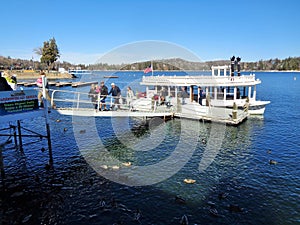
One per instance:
(63, 84)
(59, 84)
(88, 112)
(81, 84)
(112, 76)
(143, 107)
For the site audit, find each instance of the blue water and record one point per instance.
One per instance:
(265, 194)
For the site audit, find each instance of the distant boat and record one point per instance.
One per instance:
(112, 76)
(79, 72)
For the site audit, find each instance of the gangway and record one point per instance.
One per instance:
(73, 103)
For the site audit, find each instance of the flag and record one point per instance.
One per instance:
(148, 69)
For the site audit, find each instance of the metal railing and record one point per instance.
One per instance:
(82, 100)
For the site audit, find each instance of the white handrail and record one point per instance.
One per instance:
(80, 98)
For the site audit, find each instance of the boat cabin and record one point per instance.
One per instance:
(219, 89)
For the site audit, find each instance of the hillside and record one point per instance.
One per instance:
(176, 64)
(291, 63)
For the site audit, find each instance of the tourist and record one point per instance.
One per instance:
(93, 94)
(129, 96)
(183, 95)
(103, 93)
(238, 93)
(200, 95)
(39, 83)
(11, 79)
(116, 94)
(169, 100)
(4, 86)
(163, 92)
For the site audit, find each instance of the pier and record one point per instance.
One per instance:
(59, 84)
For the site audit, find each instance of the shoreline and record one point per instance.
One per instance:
(21, 75)
(34, 75)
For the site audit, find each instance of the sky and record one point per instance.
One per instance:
(87, 30)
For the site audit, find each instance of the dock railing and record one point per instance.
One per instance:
(82, 100)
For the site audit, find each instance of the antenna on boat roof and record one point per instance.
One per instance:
(238, 59)
(232, 59)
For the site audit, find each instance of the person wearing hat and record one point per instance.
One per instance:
(115, 93)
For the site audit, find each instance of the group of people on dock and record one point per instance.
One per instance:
(98, 95)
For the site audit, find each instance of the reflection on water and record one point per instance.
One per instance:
(179, 149)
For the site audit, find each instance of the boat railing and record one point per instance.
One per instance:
(192, 80)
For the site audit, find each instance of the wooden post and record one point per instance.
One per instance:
(20, 137)
(49, 145)
(15, 137)
(234, 111)
(44, 81)
(1, 164)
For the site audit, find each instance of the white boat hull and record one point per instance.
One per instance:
(255, 107)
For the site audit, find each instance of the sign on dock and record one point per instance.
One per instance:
(18, 101)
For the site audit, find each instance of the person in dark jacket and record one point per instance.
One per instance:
(200, 95)
(4, 86)
(103, 93)
(116, 94)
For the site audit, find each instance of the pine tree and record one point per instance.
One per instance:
(50, 52)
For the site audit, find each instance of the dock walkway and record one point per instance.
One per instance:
(78, 104)
(59, 84)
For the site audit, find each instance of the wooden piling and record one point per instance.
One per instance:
(20, 136)
(1, 164)
(49, 145)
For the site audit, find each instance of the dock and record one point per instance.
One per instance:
(145, 108)
(59, 84)
(88, 112)
(63, 84)
(112, 76)
(81, 84)
(120, 113)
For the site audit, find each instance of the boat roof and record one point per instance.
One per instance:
(201, 80)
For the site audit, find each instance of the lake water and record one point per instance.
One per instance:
(231, 167)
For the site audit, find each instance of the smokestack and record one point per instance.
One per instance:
(232, 65)
(238, 59)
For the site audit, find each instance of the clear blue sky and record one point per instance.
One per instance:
(212, 29)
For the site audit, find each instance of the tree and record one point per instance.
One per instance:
(50, 52)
